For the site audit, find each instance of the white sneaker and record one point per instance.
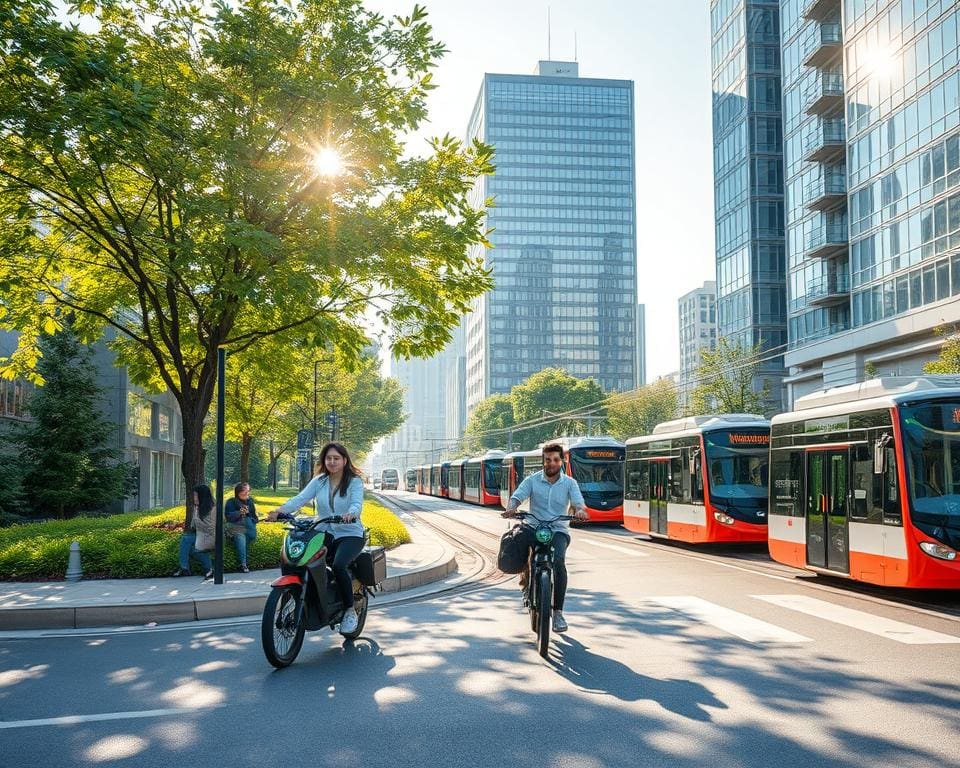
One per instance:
(559, 623)
(348, 623)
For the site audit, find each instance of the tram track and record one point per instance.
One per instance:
(939, 604)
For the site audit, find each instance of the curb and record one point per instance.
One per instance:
(124, 614)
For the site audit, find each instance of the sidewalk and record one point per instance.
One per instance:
(120, 602)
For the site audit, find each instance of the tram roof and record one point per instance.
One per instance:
(883, 392)
(694, 425)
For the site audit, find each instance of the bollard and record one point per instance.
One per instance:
(74, 571)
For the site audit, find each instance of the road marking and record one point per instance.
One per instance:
(736, 623)
(103, 716)
(867, 622)
(624, 550)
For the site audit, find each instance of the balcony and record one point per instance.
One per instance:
(826, 192)
(827, 143)
(823, 44)
(827, 241)
(817, 10)
(826, 290)
(826, 95)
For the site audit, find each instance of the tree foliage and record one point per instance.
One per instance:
(157, 176)
(554, 391)
(64, 450)
(491, 415)
(727, 380)
(636, 413)
(949, 359)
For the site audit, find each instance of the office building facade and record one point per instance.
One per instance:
(748, 183)
(564, 256)
(872, 153)
(641, 345)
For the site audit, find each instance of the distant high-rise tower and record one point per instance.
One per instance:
(641, 345)
(748, 182)
(564, 259)
(698, 331)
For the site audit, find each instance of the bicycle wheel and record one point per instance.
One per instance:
(544, 598)
(280, 632)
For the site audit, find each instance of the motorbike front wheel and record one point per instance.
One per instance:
(280, 631)
(544, 598)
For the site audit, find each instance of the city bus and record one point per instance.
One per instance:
(389, 480)
(455, 479)
(511, 474)
(699, 479)
(410, 477)
(596, 463)
(482, 477)
(865, 482)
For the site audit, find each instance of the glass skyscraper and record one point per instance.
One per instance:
(748, 182)
(872, 154)
(564, 255)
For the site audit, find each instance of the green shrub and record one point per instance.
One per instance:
(145, 544)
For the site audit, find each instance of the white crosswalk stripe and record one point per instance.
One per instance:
(728, 620)
(866, 622)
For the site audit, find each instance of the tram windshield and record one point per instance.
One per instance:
(492, 470)
(931, 436)
(598, 474)
(737, 463)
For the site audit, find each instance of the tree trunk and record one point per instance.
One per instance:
(245, 444)
(193, 459)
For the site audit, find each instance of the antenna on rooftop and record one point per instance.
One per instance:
(574, 45)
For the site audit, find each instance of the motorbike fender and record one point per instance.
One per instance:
(290, 580)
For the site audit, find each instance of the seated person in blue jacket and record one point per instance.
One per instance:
(241, 515)
(337, 490)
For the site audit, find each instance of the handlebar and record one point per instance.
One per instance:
(289, 517)
(521, 515)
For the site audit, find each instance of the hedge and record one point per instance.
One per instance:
(145, 544)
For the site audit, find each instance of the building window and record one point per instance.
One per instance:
(163, 425)
(139, 415)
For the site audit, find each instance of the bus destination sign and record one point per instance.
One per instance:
(747, 439)
(600, 454)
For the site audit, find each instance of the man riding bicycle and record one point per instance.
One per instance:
(550, 492)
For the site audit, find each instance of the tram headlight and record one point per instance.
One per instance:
(722, 517)
(939, 551)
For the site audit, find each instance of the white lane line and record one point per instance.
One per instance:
(867, 622)
(103, 716)
(614, 547)
(728, 620)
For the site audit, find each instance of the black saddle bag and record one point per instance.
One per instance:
(371, 566)
(512, 557)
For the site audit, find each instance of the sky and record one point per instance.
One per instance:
(664, 47)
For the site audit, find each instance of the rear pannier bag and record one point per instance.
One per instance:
(371, 566)
(512, 557)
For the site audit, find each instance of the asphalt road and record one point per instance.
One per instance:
(671, 660)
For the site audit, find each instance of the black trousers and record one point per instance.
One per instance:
(560, 543)
(340, 553)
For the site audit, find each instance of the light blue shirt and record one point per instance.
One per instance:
(549, 501)
(318, 491)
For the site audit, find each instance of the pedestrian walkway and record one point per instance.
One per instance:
(120, 602)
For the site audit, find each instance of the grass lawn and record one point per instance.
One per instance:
(144, 544)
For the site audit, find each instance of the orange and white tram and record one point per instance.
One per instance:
(699, 479)
(455, 487)
(865, 482)
(511, 474)
(481, 479)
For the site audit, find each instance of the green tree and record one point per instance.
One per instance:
(553, 391)
(949, 360)
(636, 413)
(726, 381)
(158, 175)
(64, 449)
(493, 414)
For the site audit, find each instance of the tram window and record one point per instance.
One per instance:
(638, 481)
(680, 478)
(891, 490)
(787, 475)
(867, 487)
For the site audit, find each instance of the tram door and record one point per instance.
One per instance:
(658, 496)
(828, 543)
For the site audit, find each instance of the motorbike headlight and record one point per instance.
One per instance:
(295, 549)
(939, 551)
(544, 534)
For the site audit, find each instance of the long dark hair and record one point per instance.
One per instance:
(205, 497)
(348, 469)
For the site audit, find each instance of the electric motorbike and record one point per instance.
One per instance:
(538, 595)
(305, 596)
